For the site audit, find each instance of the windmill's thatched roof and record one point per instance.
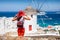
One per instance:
(30, 10)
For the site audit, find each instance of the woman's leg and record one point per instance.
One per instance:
(21, 31)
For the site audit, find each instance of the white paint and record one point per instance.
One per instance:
(32, 22)
(7, 25)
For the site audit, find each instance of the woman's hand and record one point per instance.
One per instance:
(26, 17)
(15, 18)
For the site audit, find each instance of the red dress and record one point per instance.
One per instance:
(20, 19)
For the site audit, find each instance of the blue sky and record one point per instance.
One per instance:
(16, 5)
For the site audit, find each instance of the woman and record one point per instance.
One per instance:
(20, 17)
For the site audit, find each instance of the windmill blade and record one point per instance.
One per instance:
(38, 4)
(35, 3)
(41, 5)
(28, 2)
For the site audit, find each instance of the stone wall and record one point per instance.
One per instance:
(6, 37)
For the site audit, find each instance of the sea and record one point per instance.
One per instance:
(50, 18)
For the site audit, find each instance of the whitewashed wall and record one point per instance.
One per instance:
(7, 25)
(32, 22)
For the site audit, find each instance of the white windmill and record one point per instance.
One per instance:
(34, 10)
